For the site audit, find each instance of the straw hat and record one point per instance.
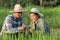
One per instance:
(17, 8)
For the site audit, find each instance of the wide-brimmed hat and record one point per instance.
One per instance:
(17, 8)
(35, 10)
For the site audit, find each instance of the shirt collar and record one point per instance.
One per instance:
(37, 20)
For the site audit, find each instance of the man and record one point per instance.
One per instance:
(14, 23)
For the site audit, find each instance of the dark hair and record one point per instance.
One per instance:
(35, 14)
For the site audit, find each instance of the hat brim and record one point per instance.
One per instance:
(15, 11)
(40, 14)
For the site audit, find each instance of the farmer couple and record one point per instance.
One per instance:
(15, 23)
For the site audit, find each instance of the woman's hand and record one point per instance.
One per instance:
(30, 30)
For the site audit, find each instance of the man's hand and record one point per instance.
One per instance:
(22, 27)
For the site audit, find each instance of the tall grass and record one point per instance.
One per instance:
(36, 35)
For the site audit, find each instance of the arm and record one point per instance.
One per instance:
(7, 26)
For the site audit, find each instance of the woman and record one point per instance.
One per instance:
(38, 23)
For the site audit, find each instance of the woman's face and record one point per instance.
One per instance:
(34, 17)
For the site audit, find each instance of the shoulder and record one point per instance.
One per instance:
(8, 19)
(41, 20)
(9, 16)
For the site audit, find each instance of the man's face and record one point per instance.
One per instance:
(18, 14)
(33, 17)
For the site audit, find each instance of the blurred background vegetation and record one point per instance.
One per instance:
(11, 3)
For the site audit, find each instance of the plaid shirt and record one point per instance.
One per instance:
(11, 24)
